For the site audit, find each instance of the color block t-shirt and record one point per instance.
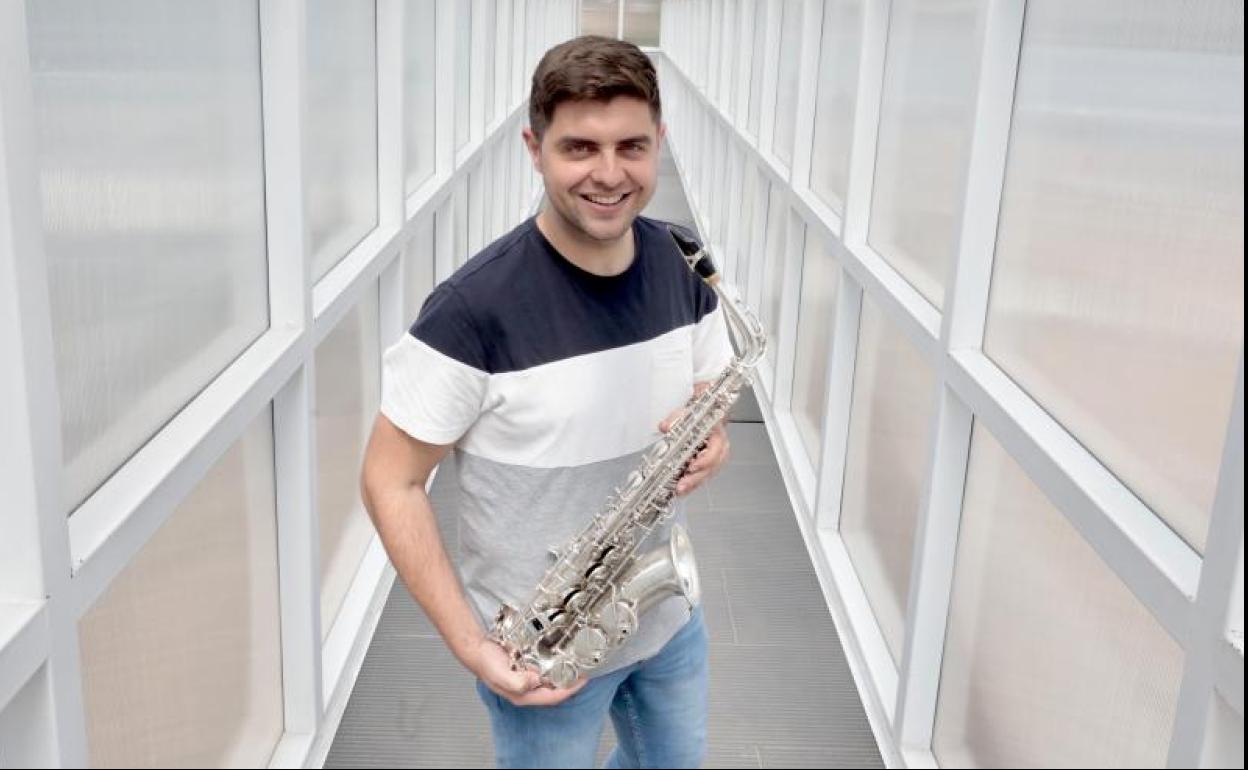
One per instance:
(551, 382)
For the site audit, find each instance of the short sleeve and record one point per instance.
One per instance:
(433, 383)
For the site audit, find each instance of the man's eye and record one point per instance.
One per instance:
(579, 150)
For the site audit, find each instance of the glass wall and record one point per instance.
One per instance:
(181, 656)
(816, 316)
(837, 92)
(926, 114)
(1101, 678)
(348, 390)
(889, 448)
(341, 149)
(1118, 286)
(600, 17)
(420, 25)
(151, 171)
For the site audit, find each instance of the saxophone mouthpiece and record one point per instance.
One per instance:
(698, 258)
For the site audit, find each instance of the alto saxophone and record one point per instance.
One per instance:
(590, 600)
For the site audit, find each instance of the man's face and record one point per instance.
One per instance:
(600, 162)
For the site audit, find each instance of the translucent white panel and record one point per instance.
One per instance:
(501, 99)
(1118, 286)
(745, 241)
(600, 17)
(773, 271)
(786, 83)
(1224, 735)
(152, 187)
(930, 79)
(341, 153)
(348, 387)
(815, 326)
(181, 656)
(731, 53)
(418, 262)
(463, 72)
(419, 76)
(889, 444)
(1050, 661)
(27, 724)
(460, 240)
(834, 101)
(641, 21)
(758, 55)
(487, 44)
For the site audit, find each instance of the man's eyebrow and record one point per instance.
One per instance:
(571, 141)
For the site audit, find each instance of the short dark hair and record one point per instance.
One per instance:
(590, 68)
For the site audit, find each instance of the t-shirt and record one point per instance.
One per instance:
(551, 382)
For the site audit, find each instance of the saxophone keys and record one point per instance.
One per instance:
(589, 645)
(620, 621)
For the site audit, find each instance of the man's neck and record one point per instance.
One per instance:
(595, 257)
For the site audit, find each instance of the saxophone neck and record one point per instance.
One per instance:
(745, 328)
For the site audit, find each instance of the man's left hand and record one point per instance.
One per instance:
(706, 463)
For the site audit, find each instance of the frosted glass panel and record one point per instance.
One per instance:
(1224, 735)
(1118, 287)
(1050, 661)
(641, 22)
(834, 101)
(758, 55)
(815, 327)
(348, 387)
(889, 444)
(786, 84)
(152, 189)
(418, 262)
(773, 270)
(341, 155)
(487, 44)
(419, 73)
(930, 73)
(26, 723)
(181, 656)
(600, 17)
(463, 72)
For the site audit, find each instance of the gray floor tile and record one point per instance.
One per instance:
(749, 488)
(748, 539)
(848, 755)
(750, 444)
(779, 607)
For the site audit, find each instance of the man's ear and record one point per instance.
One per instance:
(534, 146)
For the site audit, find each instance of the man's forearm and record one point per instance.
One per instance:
(409, 530)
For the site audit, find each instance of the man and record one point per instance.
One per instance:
(547, 361)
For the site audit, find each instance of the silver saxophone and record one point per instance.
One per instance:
(589, 601)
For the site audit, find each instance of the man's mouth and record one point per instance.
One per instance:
(606, 202)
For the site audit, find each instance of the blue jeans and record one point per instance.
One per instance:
(658, 706)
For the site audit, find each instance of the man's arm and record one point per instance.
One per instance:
(396, 469)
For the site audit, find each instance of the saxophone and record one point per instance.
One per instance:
(590, 600)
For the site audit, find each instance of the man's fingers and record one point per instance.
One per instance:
(549, 696)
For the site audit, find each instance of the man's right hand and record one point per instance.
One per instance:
(492, 665)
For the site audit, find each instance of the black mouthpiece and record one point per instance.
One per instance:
(699, 260)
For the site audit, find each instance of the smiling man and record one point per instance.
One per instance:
(549, 363)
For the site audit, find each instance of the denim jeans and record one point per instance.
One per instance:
(658, 706)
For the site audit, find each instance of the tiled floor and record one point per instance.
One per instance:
(781, 693)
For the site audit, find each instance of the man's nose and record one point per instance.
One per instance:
(608, 171)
